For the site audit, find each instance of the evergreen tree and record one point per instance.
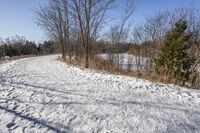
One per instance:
(174, 61)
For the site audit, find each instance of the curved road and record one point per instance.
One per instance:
(42, 95)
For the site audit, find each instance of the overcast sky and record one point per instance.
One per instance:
(16, 16)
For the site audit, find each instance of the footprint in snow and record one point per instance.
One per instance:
(9, 125)
(15, 107)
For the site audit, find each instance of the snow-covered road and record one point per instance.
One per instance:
(41, 94)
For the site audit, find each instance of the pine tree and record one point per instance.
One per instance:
(174, 61)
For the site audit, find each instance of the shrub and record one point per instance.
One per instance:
(174, 62)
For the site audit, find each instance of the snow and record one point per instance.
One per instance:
(42, 94)
(126, 60)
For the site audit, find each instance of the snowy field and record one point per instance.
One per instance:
(41, 94)
(126, 60)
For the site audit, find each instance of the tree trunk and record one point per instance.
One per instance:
(86, 57)
(63, 51)
(63, 56)
(70, 55)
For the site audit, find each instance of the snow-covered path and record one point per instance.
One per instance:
(41, 94)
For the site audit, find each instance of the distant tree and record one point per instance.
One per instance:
(173, 61)
(49, 47)
(17, 46)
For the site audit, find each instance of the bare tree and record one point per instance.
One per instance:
(90, 15)
(54, 19)
(127, 11)
(192, 16)
(157, 26)
(139, 37)
(119, 33)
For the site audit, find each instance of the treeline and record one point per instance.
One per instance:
(19, 46)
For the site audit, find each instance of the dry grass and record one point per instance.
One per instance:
(100, 64)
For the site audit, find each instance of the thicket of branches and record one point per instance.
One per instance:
(75, 22)
(150, 37)
(153, 30)
(78, 27)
